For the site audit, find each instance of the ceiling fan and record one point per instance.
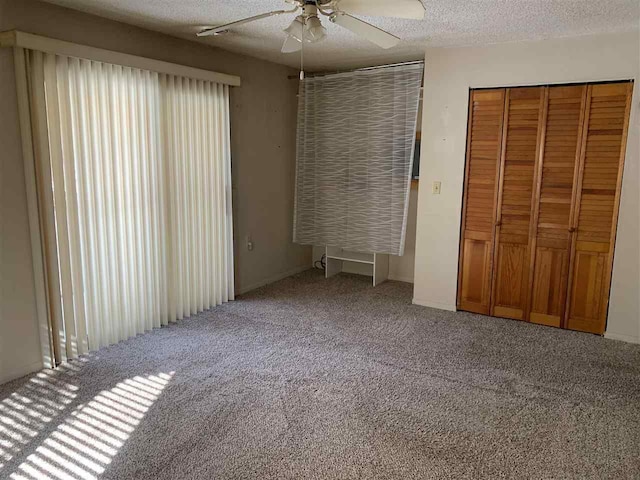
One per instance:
(307, 27)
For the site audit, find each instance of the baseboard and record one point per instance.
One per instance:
(401, 279)
(622, 338)
(21, 372)
(275, 278)
(439, 306)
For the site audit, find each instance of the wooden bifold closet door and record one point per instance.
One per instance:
(541, 199)
(555, 205)
(597, 204)
(522, 128)
(484, 136)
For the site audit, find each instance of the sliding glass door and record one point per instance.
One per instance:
(134, 195)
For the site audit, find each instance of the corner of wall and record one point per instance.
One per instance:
(20, 372)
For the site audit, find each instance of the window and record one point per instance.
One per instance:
(134, 191)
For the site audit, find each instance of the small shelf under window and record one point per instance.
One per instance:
(336, 256)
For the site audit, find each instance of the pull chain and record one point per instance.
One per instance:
(302, 51)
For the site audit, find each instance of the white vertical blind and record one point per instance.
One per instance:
(356, 136)
(139, 165)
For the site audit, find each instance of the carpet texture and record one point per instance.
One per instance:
(332, 379)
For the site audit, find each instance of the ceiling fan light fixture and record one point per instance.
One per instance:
(296, 28)
(291, 45)
(316, 32)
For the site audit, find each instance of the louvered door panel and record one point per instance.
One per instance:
(538, 234)
(483, 153)
(597, 204)
(522, 126)
(555, 202)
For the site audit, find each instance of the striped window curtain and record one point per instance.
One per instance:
(133, 174)
(355, 142)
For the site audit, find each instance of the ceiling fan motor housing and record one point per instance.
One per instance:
(310, 9)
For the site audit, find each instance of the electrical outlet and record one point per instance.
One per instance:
(249, 244)
(436, 188)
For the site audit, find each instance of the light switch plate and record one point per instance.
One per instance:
(436, 188)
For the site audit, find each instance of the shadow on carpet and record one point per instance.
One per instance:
(310, 378)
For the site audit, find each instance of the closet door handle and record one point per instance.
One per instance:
(572, 229)
(498, 223)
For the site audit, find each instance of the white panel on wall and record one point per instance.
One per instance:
(356, 135)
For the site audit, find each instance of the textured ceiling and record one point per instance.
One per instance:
(447, 23)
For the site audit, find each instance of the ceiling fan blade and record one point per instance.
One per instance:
(213, 30)
(366, 30)
(291, 45)
(413, 9)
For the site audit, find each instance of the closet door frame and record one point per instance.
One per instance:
(575, 206)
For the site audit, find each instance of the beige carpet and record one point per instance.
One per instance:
(309, 378)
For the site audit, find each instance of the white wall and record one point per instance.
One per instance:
(449, 73)
(263, 120)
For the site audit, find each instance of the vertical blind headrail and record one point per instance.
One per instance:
(15, 38)
(362, 69)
